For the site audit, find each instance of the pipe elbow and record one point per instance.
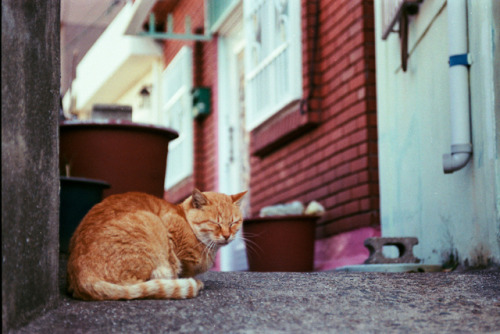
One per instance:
(457, 159)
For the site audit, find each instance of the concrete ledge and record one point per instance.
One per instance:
(326, 302)
(392, 268)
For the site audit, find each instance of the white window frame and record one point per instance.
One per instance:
(176, 113)
(273, 67)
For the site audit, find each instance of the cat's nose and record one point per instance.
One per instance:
(226, 236)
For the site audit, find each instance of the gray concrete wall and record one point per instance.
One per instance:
(455, 216)
(30, 177)
(496, 76)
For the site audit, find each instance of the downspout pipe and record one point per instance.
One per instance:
(461, 146)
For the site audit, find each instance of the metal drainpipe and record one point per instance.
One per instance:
(461, 147)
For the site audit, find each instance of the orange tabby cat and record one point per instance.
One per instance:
(135, 245)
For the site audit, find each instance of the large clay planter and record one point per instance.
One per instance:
(78, 196)
(280, 243)
(129, 156)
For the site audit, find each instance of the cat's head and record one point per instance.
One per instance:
(214, 217)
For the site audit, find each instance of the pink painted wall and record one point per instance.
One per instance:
(343, 249)
(216, 266)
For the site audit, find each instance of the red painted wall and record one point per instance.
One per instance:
(335, 163)
(332, 159)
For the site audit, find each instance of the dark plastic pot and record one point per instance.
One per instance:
(130, 156)
(280, 243)
(78, 196)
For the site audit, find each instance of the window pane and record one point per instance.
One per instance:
(177, 105)
(273, 66)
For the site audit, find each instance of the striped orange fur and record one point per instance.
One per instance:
(135, 245)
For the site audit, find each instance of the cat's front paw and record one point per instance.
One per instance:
(199, 284)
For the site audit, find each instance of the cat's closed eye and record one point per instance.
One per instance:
(237, 222)
(210, 222)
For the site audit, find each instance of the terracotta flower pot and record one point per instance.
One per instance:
(280, 243)
(78, 196)
(129, 156)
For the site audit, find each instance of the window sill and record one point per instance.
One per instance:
(281, 128)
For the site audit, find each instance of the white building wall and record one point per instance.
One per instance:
(132, 98)
(113, 65)
(149, 114)
(453, 214)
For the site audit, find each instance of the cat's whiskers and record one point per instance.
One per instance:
(250, 244)
(212, 246)
(206, 249)
(245, 233)
(209, 248)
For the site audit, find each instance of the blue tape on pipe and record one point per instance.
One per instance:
(462, 59)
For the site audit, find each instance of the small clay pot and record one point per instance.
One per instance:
(280, 243)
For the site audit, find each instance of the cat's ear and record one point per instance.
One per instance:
(237, 198)
(198, 200)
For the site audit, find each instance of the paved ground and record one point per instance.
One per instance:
(327, 302)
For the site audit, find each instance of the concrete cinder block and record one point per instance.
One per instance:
(404, 245)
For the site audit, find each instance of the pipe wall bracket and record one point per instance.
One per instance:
(464, 59)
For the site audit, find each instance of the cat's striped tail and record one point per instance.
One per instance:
(180, 288)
